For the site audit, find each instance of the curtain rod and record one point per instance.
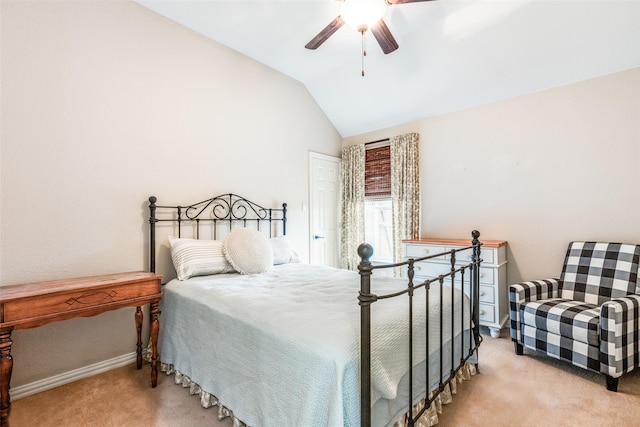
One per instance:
(375, 142)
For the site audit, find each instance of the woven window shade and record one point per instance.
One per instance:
(377, 172)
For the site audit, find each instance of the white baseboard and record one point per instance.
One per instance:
(70, 376)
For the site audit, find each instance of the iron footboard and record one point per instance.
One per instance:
(469, 272)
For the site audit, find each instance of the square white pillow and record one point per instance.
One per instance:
(248, 251)
(283, 252)
(192, 257)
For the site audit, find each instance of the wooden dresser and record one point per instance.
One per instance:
(494, 303)
(30, 305)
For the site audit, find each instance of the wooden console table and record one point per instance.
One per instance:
(30, 305)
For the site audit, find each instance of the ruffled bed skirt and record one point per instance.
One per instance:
(207, 400)
(428, 418)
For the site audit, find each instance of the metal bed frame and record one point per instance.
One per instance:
(231, 209)
(366, 299)
(227, 209)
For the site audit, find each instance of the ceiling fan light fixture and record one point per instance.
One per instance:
(362, 14)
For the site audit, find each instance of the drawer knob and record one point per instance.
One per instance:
(481, 312)
(481, 293)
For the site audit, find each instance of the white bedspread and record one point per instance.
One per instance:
(282, 348)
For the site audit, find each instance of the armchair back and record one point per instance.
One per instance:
(598, 272)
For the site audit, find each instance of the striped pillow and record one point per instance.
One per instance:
(193, 257)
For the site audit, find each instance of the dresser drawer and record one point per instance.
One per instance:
(487, 275)
(466, 256)
(487, 314)
(429, 270)
(487, 294)
(419, 251)
(488, 256)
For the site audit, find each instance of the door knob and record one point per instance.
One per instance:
(316, 237)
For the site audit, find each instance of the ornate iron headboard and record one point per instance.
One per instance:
(226, 208)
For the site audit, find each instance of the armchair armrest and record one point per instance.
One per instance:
(528, 291)
(620, 335)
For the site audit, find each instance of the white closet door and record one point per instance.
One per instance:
(324, 212)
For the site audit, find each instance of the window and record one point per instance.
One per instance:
(378, 220)
(378, 231)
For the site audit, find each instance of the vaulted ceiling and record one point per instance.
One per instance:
(453, 54)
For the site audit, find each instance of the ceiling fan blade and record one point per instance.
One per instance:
(406, 1)
(325, 33)
(384, 37)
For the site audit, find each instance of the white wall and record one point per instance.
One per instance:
(539, 171)
(105, 103)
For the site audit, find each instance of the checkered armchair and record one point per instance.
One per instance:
(590, 316)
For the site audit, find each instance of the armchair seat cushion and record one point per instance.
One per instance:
(576, 320)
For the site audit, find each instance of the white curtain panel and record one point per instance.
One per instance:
(405, 190)
(352, 195)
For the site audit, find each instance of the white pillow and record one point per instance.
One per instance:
(283, 252)
(193, 257)
(248, 251)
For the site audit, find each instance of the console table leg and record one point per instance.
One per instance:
(138, 317)
(6, 366)
(155, 327)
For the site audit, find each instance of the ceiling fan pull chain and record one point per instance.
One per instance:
(364, 51)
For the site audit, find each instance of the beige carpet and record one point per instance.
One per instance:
(510, 390)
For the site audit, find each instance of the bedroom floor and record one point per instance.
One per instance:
(530, 390)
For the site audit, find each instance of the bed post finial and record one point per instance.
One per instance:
(365, 251)
(284, 219)
(152, 233)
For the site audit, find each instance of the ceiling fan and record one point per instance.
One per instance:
(363, 15)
